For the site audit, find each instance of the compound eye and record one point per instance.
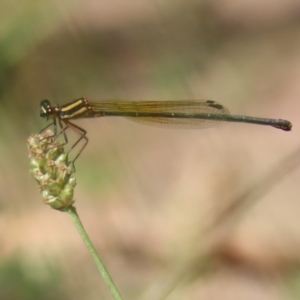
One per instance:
(45, 108)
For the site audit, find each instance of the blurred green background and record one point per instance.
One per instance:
(164, 207)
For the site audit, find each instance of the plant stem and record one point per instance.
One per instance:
(100, 265)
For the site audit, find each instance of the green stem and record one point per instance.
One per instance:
(72, 211)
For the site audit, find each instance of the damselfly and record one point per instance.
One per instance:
(178, 114)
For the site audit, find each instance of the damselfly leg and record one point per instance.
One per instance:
(82, 136)
(60, 128)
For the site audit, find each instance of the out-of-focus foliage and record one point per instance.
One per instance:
(20, 281)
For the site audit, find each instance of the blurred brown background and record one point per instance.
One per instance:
(175, 214)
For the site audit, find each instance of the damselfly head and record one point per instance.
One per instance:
(46, 109)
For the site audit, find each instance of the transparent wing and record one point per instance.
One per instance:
(178, 114)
